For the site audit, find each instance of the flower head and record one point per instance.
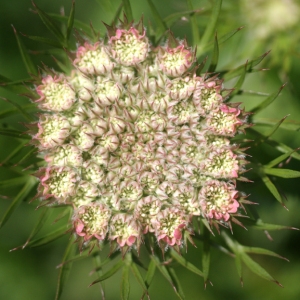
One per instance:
(135, 144)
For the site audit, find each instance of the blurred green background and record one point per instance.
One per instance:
(32, 274)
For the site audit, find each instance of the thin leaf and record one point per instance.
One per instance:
(284, 173)
(222, 40)
(22, 111)
(41, 221)
(206, 253)
(13, 153)
(227, 75)
(31, 182)
(275, 127)
(50, 24)
(117, 14)
(139, 277)
(14, 133)
(177, 282)
(215, 56)
(211, 27)
(77, 24)
(256, 250)
(240, 82)
(17, 86)
(257, 269)
(14, 181)
(128, 10)
(109, 273)
(44, 40)
(238, 264)
(150, 273)
(13, 111)
(194, 25)
(279, 159)
(172, 18)
(189, 266)
(271, 187)
(161, 26)
(288, 124)
(260, 225)
(48, 238)
(71, 21)
(267, 101)
(65, 269)
(30, 67)
(164, 271)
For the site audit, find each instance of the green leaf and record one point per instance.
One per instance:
(194, 25)
(164, 271)
(172, 18)
(139, 277)
(12, 154)
(150, 273)
(30, 67)
(279, 159)
(31, 182)
(128, 10)
(222, 40)
(238, 264)
(215, 56)
(17, 86)
(211, 27)
(284, 173)
(206, 253)
(271, 187)
(78, 24)
(15, 133)
(257, 269)
(71, 21)
(40, 223)
(227, 75)
(65, 269)
(13, 111)
(260, 225)
(256, 250)
(51, 25)
(109, 273)
(189, 266)
(240, 82)
(288, 124)
(44, 40)
(48, 238)
(125, 286)
(161, 26)
(267, 101)
(22, 111)
(14, 181)
(177, 282)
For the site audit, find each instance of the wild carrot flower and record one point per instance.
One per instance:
(136, 142)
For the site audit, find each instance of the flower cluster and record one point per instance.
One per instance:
(136, 142)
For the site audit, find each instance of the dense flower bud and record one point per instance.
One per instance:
(56, 94)
(218, 200)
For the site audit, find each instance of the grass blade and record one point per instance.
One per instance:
(194, 25)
